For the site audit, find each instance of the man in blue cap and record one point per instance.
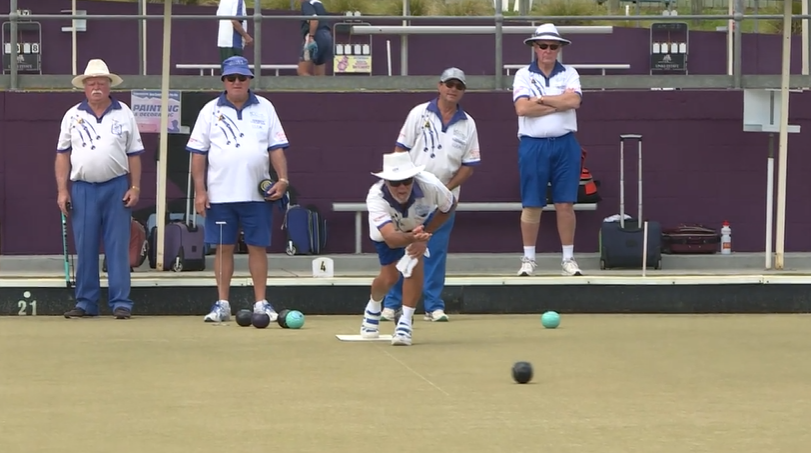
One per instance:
(236, 138)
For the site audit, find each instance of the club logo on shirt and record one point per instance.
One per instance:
(117, 129)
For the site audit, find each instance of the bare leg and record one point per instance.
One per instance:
(305, 68)
(258, 265)
(566, 223)
(381, 285)
(320, 70)
(529, 233)
(224, 269)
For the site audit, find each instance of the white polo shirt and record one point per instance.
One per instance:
(228, 36)
(530, 82)
(99, 147)
(237, 144)
(427, 195)
(443, 149)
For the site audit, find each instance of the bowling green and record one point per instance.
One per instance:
(602, 384)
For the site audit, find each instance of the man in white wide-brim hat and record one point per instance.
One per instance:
(546, 95)
(99, 151)
(398, 206)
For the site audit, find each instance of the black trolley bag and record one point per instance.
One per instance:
(622, 243)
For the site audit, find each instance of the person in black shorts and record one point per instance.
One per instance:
(316, 47)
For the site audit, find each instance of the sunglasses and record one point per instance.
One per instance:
(404, 182)
(234, 78)
(544, 46)
(455, 84)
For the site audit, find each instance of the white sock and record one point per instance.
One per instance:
(529, 252)
(568, 252)
(408, 314)
(374, 306)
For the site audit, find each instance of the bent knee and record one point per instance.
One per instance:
(531, 215)
(389, 275)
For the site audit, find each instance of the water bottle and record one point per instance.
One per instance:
(726, 239)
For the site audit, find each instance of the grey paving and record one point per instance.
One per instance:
(458, 265)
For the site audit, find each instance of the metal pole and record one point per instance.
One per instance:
(730, 48)
(141, 39)
(806, 38)
(12, 16)
(782, 164)
(404, 41)
(737, 46)
(757, 11)
(73, 49)
(770, 199)
(257, 42)
(523, 7)
(499, 45)
(164, 136)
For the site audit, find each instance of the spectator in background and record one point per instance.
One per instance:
(316, 49)
(236, 138)
(233, 35)
(546, 95)
(99, 151)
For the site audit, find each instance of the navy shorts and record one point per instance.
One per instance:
(549, 160)
(254, 217)
(388, 255)
(323, 38)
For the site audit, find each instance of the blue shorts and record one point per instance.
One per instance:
(388, 255)
(323, 39)
(254, 217)
(544, 160)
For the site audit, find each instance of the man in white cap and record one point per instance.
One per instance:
(236, 138)
(443, 138)
(546, 95)
(399, 206)
(99, 151)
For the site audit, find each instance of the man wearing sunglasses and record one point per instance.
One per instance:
(443, 138)
(234, 141)
(546, 95)
(405, 208)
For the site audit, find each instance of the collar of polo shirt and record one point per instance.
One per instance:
(557, 69)
(459, 115)
(223, 101)
(85, 107)
(416, 192)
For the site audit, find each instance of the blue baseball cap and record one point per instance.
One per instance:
(236, 65)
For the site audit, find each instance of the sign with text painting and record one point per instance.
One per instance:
(146, 106)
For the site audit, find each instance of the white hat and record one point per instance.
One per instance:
(546, 32)
(398, 166)
(96, 68)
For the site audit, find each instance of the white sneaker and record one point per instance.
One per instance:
(527, 267)
(570, 267)
(388, 314)
(370, 327)
(402, 335)
(436, 316)
(220, 312)
(264, 306)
